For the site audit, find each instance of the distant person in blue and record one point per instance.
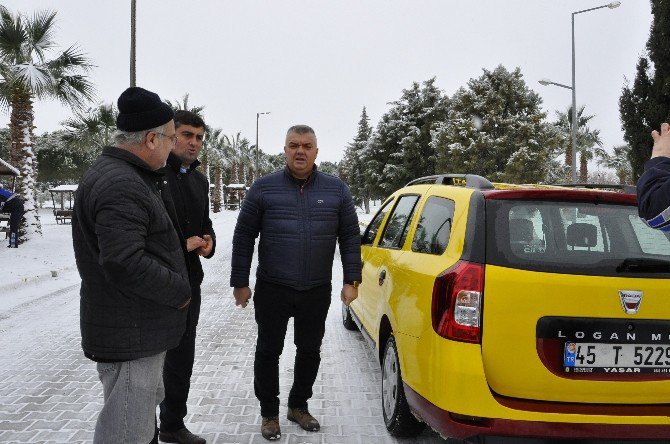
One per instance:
(653, 188)
(11, 204)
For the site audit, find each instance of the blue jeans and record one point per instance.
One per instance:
(132, 390)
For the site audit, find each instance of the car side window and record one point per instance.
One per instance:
(434, 226)
(371, 231)
(397, 225)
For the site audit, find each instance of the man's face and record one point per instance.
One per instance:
(163, 144)
(189, 143)
(300, 151)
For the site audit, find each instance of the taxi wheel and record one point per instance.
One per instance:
(347, 320)
(397, 416)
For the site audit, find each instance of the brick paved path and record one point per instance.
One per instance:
(50, 393)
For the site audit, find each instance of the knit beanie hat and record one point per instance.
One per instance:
(141, 110)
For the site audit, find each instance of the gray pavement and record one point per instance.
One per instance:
(50, 393)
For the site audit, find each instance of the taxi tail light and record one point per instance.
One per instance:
(457, 302)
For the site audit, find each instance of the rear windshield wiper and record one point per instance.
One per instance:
(641, 265)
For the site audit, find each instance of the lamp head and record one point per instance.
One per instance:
(545, 82)
(614, 5)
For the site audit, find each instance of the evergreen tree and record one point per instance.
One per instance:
(646, 104)
(352, 167)
(496, 129)
(400, 149)
(329, 167)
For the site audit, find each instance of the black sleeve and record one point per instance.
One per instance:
(653, 193)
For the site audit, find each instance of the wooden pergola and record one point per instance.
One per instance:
(233, 195)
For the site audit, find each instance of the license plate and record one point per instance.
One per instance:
(593, 357)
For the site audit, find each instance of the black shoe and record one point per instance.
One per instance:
(182, 436)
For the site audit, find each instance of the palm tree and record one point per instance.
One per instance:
(92, 129)
(618, 161)
(587, 139)
(133, 42)
(26, 74)
(184, 106)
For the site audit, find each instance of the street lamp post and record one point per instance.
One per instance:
(256, 165)
(573, 131)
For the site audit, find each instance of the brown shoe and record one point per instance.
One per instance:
(304, 419)
(270, 428)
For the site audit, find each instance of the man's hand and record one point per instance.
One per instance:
(206, 249)
(348, 294)
(194, 242)
(661, 142)
(242, 296)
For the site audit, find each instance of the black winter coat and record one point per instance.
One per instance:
(653, 193)
(130, 259)
(299, 227)
(190, 194)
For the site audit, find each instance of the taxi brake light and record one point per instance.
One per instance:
(457, 302)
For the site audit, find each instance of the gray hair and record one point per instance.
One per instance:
(135, 137)
(300, 129)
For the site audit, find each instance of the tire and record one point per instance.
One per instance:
(399, 420)
(347, 320)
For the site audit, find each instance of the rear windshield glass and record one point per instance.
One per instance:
(574, 238)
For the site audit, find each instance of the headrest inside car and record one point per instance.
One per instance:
(521, 230)
(581, 235)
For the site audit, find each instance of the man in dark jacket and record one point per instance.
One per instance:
(300, 213)
(189, 190)
(13, 205)
(653, 187)
(130, 257)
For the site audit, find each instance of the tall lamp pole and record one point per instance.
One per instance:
(573, 131)
(256, 166)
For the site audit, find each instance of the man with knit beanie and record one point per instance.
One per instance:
(135, 288)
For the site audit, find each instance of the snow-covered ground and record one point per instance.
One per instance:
(46, 264)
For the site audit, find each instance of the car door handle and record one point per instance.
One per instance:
(382, 277)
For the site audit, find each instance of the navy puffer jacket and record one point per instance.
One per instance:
(653, 193)
(299, 227)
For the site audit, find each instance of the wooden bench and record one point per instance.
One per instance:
(4, 223)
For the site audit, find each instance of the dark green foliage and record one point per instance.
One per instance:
(496, 129)
(645, 105)
(400, 149)
(353, 168)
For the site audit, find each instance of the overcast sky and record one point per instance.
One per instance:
(319, 62)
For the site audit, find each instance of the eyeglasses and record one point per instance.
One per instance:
(172, 138)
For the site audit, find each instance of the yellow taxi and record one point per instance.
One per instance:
(514, 310)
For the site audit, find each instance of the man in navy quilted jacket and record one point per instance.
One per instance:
(300, 214)
(653, 188)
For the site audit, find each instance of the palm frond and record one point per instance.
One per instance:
(34, 77)
(13, 37)
(69, 61)
(73, 90)
(40, 32)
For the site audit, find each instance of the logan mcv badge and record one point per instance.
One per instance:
(630, 300)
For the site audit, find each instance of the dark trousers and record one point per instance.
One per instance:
(274, 305)
(177, 371)
(15, 210)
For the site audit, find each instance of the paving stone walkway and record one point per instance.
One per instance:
(50, 393)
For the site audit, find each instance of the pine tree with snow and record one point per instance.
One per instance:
(496, 129)
(646, 104)
(400, 148)
(353, 165)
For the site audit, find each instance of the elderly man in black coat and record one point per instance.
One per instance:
(135, 285)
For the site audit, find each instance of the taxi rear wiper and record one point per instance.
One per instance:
(641, 265)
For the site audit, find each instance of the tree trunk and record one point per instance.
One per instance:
(366, 203)
(583, 168)
(216, 195)
(23, 157)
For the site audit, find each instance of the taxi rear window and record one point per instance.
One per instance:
(575, 238)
